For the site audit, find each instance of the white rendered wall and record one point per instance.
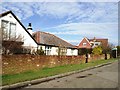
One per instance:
(69, 52)
(75, 52)
(28, 41)
(54, 51)
(72, 52)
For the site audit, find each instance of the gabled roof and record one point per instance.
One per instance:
(8, 12)
(84, 40)
(99, 39)
(50, 39)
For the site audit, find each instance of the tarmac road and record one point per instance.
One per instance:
(102, 77)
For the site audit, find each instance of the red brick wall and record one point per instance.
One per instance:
(20, 63)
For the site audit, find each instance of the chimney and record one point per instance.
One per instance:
(94, 39)
(30, 28)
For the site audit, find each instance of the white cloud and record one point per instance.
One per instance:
(60, 1)
(84, 19)
(74, 11)
(22, 10)
(90, 30)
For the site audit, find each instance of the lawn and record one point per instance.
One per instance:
(45, 72)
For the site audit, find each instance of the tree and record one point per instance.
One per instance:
(107, 49)
(97, 50)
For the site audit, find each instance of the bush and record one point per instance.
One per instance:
(97, 50)
(83, 51)
(40, 51)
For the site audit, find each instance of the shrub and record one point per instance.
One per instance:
(40, 51)
(97, 50)
(83, 51)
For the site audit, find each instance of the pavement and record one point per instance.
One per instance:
(105, 76)
(102, 77)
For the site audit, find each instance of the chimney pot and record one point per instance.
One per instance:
(30, 28)
(29, 24)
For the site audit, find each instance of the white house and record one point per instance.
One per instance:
(51, 44)
(10, 24)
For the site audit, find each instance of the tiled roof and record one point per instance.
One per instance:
(102, 40)
(50, 39)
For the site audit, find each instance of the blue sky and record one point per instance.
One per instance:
(70, 21)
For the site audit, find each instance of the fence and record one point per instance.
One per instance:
(12, 64)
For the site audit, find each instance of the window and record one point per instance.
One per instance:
(63, 51)
(96, 44)
(48, 50)
(72, 50)
(84, 44)
(8, 30)
(5, 31)
(12, 30)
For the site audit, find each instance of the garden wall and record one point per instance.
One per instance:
(12, 64)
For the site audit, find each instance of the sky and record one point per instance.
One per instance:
(71, 21)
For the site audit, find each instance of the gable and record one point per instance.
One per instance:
(84, 43)
(20, 29)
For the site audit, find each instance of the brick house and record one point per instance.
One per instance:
(85, 43)
(99, 41)
(91, 43)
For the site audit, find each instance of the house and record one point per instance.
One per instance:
(91, 43)
(51, 44)
(13, 28)
(99, 41)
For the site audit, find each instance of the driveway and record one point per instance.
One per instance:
(102, 77)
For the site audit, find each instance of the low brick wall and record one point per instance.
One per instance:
(12, 64)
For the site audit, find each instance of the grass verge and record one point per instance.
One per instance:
(45, 72)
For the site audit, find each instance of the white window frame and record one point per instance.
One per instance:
(48, 50)
(12, 30)
(84, 44)
(72, 50)
(8, 29)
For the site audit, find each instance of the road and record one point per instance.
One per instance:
(102, 77)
